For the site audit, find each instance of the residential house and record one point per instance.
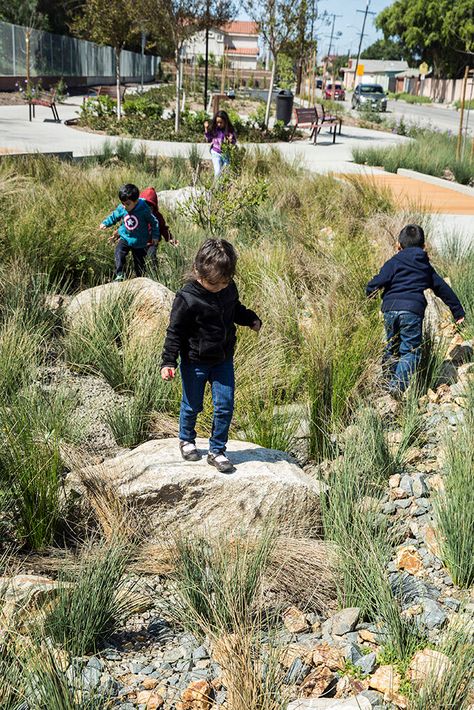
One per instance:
(376, 71)
(237, 41)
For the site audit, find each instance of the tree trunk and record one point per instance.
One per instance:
(270, 90)
(118, 51)
(177, 116)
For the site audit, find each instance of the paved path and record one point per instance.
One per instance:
(17, 134)
(410, 193)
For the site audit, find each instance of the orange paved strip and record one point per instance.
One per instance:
(411, 193)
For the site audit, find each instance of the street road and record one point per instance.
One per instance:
(431, 115)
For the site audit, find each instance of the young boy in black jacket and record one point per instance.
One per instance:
(202, 332)
(403, 278)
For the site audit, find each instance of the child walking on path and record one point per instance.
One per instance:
(151, 198)
(403, 278)
(202, 332)
(220, 133)
(138, 223)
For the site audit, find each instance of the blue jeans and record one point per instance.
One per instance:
(194, 376)
(219, 162)
(402, 353)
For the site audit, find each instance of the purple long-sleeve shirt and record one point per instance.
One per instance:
(217, 138)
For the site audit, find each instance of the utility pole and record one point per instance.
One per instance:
(333, 15)
(366, 12)
(206, 63)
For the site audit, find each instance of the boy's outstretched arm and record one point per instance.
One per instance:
(447, 295)
(113, 217)
(382, 280)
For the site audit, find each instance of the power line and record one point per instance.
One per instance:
(366, 12)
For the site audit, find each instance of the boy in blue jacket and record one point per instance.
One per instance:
(133, 233)
(403, 279)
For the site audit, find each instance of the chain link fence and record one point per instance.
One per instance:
(60, 56)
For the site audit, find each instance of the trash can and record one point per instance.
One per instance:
(284, 106)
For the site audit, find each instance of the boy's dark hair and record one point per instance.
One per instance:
(215, 261)
(412, 236)
(129, 192)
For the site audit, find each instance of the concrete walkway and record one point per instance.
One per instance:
(18, 135)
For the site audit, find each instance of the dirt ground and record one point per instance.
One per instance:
(11, 98)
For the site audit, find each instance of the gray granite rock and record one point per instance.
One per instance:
(433, 615)
(367, 663)
(344, 621)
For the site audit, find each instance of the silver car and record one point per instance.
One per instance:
(371, 95)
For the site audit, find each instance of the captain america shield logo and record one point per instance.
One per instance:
(130, 222)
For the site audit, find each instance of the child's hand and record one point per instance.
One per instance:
(256, 325)
(174, 242)
(102, 226)
(206, 125)
(460, 320)
(114, 237)
(168, 373)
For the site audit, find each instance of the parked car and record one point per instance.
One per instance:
(339, 93)
(319, 83)
(371, 95)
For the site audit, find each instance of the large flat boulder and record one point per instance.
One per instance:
(176, 495)
(150, 303)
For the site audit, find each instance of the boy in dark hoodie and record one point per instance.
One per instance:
(403, 279)
(151, 198)
(138, 225)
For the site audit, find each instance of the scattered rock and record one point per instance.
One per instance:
(428, 664)
(345, 621)
(386, 680)
(318, 682)
(408, 558)
(367, 663)
(199, 695)
(358, 702)
(433, 616)
(294, 620)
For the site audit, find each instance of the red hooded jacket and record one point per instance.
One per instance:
(149, 194)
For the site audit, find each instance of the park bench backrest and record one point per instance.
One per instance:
(305, 115)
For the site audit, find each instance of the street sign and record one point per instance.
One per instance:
(360, 70)
(423, 68)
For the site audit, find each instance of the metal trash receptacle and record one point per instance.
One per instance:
(284, 106)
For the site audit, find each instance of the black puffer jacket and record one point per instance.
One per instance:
(202, 326)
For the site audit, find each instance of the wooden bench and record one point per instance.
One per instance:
(107, 91)
(305, 118)
(332, 119)
(44, 98)
(316, 118)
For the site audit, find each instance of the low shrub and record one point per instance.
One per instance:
(431, 153)
(411, 98)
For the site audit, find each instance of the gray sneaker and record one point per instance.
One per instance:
(189, 451)
(221, 462)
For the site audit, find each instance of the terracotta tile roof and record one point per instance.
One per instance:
(240, 28)
(251, 51)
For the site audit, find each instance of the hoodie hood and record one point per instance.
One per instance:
(149, 194)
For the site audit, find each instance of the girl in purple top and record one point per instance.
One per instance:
(220, 131)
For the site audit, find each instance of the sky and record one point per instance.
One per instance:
(350, 24)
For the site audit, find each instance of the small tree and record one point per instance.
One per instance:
(278, 22)
(179, 20)
(113, 22)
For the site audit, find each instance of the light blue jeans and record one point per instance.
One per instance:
(219, 161)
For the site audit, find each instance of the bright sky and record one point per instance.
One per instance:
(350, 24)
